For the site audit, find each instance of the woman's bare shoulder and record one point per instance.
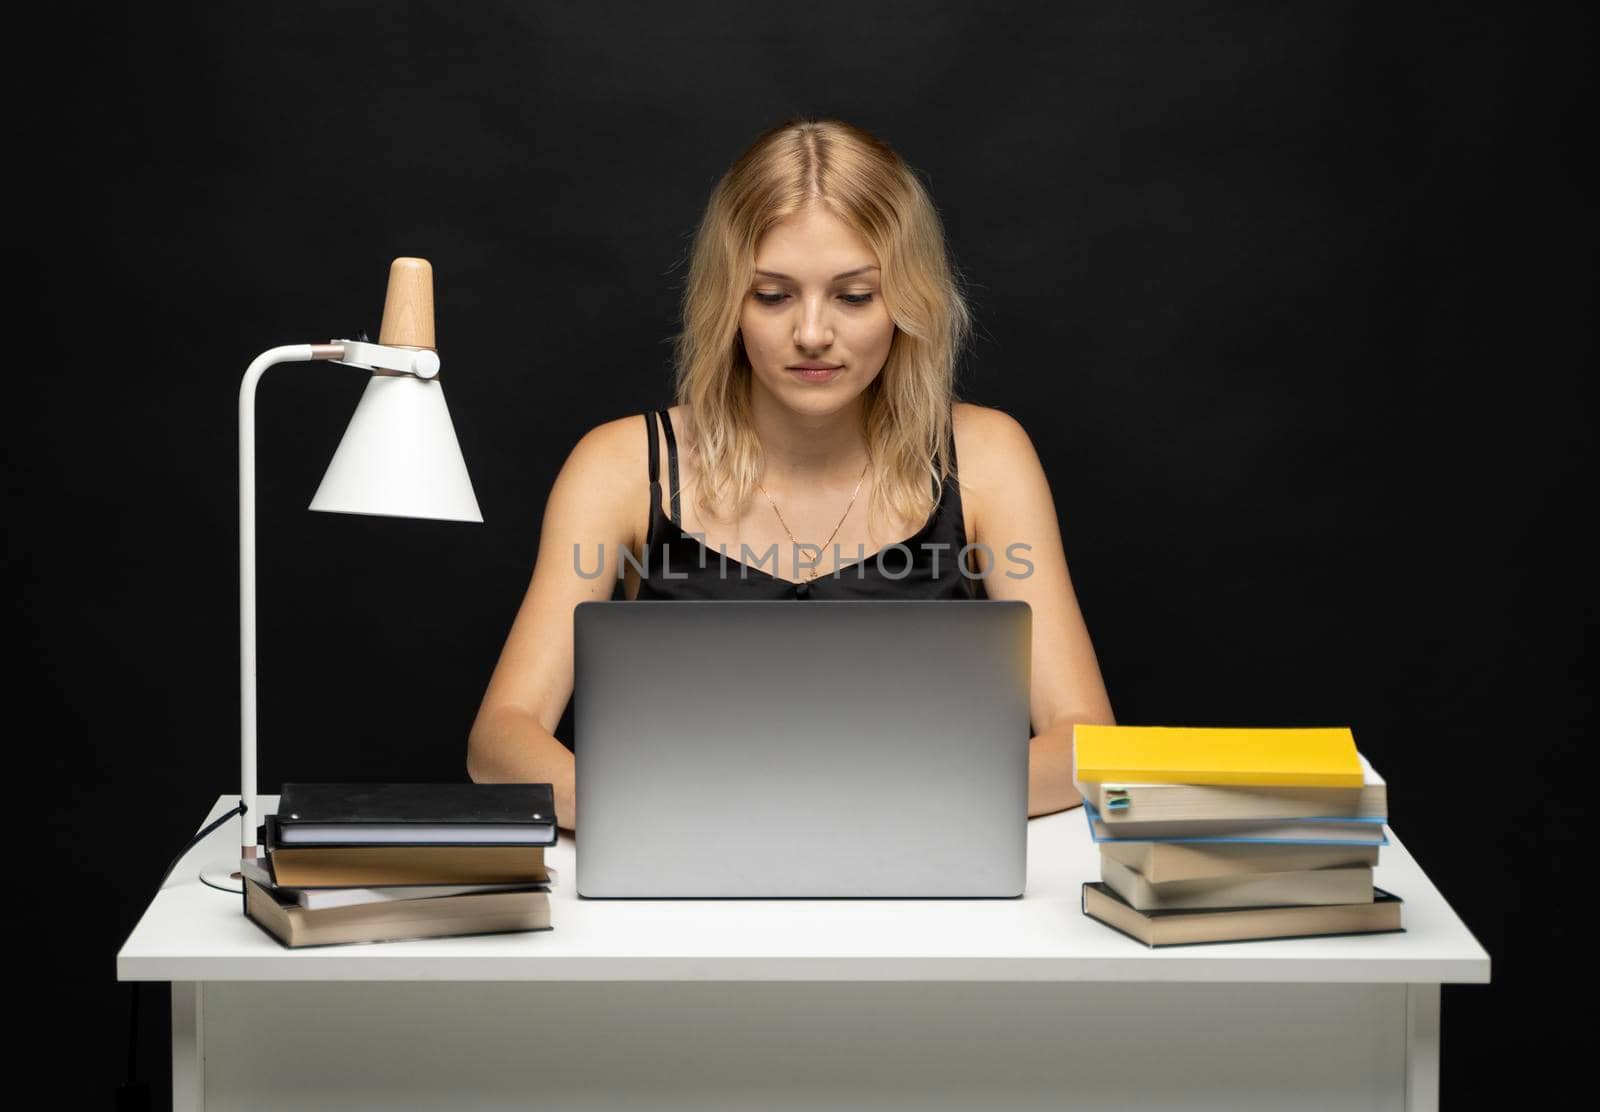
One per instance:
(986, 438)
(990, 444)
(610, 464)
(619, 435)
(975, 416)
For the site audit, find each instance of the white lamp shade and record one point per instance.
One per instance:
(399, 457)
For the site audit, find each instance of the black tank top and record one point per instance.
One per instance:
(923, 565)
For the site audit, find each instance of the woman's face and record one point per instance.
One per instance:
(815, 297)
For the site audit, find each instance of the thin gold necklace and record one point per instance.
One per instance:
(814, 571)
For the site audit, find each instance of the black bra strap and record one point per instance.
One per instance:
(939, 491)
(672, 465)
(655, 453)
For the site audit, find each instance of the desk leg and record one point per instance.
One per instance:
(1422, 1048)
(188, 1047)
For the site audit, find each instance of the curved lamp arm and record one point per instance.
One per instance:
(290, 353)
(378, 358)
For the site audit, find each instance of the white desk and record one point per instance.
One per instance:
(804, 1004)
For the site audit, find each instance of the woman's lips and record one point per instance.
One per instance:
(815, 374)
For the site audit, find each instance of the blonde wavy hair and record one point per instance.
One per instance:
(907, 410)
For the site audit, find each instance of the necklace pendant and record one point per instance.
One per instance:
(802, 590)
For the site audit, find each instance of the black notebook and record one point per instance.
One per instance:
(415, 815)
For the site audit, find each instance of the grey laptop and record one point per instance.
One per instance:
(784, 749)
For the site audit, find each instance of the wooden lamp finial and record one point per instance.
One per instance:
(408, 305)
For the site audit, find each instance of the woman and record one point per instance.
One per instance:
(815, 429)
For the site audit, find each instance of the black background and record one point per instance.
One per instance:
(1284, 295)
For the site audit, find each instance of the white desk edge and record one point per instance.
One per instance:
(191, 932)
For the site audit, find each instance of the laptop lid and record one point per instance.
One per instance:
(866, 748)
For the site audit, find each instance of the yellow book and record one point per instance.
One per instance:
(1316, 757)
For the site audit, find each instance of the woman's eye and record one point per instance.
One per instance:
(848, 298)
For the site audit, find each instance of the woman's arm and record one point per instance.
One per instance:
(594, 501)
(1014, 506)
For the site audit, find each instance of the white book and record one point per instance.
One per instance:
(415, 834)
(1125, 802)
(350, 897)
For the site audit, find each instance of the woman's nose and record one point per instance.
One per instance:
(813, 328)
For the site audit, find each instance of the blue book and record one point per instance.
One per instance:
(1309, 831)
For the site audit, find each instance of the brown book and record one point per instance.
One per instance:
(1239, 924)
(375, 866)
(1161, 862)
(1349, 884)
(294, 926)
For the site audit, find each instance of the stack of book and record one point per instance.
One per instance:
(382, 862)
(1222, 835)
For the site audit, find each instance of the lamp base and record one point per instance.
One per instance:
(223, 873)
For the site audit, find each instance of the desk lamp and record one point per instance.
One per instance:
(399, 458)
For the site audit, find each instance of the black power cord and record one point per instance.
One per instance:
(133, 1095)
